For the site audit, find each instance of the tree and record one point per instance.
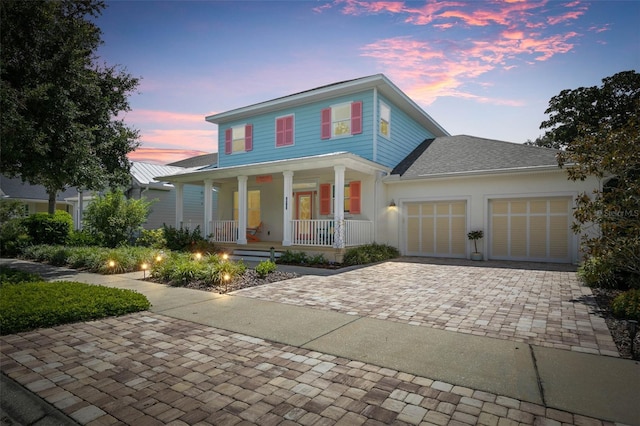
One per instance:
(113, 219)
(601, 135)
(59, 127)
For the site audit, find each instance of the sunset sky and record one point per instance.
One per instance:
(482, 68)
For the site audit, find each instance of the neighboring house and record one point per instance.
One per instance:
(36, 199)
(163, 194)
(143, 184)
(358, 161)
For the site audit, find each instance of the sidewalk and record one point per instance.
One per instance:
(491, 375)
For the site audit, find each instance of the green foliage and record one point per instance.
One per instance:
(82, 238)
(597, 271)
(370, 253)
(30, 305)
(93, 259)
(13, 233)
(12, 276)
(181, 239)
(475, 236)
(180, 269)
(113, 219)
(627, 305)
(152, 238)
(60, 126)
(600, 130)
(265, 267)
(45, 228)
(293, 257)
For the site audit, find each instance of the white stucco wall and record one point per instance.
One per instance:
(477, 191)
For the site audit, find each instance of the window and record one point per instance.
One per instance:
(238, 139)
(284, 131)
(341, 120)
(351, 198)
(385, 120)
(253, 208)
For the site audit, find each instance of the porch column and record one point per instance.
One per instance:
(338, 207)
(208, 208)
(179, 204)
(242, 210)
(287, 208)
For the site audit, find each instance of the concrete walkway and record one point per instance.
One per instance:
(223, 359)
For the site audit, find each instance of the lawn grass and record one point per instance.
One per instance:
(27, 304)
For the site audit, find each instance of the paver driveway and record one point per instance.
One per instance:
(540, 304)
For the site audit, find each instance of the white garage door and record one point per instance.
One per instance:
(436, 228)
(536, 229)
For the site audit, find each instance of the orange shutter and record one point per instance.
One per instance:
(325, 198)
(355, 197)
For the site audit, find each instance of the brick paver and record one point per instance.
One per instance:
(149, 369)
(543, 305)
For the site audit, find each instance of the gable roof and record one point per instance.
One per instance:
(462, 154)
(143, 174)
(343, 88)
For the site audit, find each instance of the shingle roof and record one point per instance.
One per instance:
(462, 153)
(197, 161)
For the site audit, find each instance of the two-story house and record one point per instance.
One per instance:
(358, 161)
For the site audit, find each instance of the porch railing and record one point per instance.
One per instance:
(224, 231)
(320, 232)
(317, 232)
(358, 232)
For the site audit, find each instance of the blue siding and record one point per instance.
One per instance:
(405, 135)
(307, 141)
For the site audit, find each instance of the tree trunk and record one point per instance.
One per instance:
(52, 201)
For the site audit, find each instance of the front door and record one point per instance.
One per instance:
(304, 211)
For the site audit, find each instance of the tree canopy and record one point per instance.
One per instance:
(60, 125)
(599, 128)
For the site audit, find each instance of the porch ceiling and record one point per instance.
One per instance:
(304, 166)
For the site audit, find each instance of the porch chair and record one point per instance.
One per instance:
(252, 233)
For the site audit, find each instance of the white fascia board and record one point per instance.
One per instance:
(351, 161)
(534, 169)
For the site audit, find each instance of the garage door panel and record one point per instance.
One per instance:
(413, 234)
(436, 228)
(518, 236)
(538, 236)
(535, 229)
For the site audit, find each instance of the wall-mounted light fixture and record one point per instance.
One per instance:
(392, 203)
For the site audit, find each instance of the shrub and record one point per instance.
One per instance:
(82, 238)
(181, 239)
(370, 253)
(44, 228)
(265, 267)
(293, 257)
(596, 271)
(152, 238)
(114, 220)
(627, 305)
(29, 305)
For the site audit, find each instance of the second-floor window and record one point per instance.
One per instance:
(341, 120)
(284, 131)
(238, 139)
(385, 120)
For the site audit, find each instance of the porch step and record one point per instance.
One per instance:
(253, 255)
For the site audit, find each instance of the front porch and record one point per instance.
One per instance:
(314, 232)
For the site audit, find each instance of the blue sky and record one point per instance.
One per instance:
(483, 68)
